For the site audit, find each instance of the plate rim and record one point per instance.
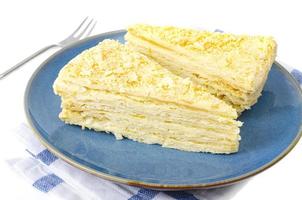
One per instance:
(144, 184)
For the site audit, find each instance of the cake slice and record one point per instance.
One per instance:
(114, 89)
(234, 68)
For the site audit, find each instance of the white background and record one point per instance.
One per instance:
(29, 25)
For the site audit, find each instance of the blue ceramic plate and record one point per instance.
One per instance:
(271, 129)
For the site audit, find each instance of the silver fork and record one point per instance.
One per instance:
(75, 36)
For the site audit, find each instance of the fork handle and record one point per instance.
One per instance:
(21, 63)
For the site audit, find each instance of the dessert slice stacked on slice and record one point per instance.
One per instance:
(231, 67)
(114, 89)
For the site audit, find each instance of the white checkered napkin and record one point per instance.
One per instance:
(52, 176)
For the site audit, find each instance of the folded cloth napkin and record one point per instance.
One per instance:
(52, 176)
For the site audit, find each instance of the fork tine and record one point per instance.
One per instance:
(91, 29)
(78, 28)
(84, 30)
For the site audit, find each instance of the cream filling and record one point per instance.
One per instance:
(100, 102)
(164, 116)
(149, 121)
(93, 99)
(153, 134)
(161, 114)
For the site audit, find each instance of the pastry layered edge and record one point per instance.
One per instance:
(107, 89)
(234, 68)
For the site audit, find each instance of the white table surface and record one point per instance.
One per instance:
(29, 25)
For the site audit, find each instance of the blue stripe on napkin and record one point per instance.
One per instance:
(181, 195)
(298, 75)
(47, 183)
(46, 157)
(144, 194)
